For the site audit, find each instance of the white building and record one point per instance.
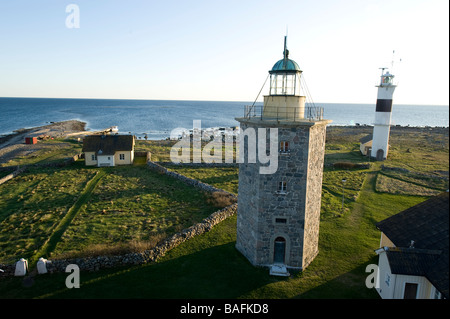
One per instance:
(383, 112)
(414, 252)
(108, 150)
(365, 145)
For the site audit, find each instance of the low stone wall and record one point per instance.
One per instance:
(66, 162)
(349, 165)
(396, 169)
(404, 170)
(190, 181)
(104, 262)
(199, 164)
(8, 270)
(12, 175)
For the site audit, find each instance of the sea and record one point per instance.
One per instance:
(156, 119)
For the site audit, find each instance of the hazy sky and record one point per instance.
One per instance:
(222, 50)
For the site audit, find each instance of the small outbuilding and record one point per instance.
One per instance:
(108, 150)
(414, 252)
(30, 140)
(365, 145)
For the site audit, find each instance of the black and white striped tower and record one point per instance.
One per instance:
(383, 112)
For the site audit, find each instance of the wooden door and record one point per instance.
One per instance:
(279, 250)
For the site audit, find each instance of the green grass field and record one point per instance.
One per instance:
(72, 211)
(48, 151)
(209, 266)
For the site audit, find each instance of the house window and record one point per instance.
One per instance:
(280, 220)
(284, 147)
(122, 157)
(94, 157)
(282, 187)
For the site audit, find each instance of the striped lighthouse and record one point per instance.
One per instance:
(383, 112)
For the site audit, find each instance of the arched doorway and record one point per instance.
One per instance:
(279, 250)
(380, 155)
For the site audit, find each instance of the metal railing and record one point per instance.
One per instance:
(311, 113)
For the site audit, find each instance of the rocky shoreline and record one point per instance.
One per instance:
(55, 130)
(13, 145)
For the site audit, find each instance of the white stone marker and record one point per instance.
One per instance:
(21, 267)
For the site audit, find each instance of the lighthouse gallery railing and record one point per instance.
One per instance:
(311, 113)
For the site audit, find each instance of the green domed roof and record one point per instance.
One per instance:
(285, 65)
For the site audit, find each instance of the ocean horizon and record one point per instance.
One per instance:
(157, 118)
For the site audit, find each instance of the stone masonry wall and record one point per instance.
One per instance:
(248, 203)
(314, 195)
(190, 181)
(265, 213)
(288, 205)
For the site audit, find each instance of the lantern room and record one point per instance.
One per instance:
(284, 101)
(386, 79)
(285, 76)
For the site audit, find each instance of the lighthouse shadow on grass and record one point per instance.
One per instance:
(212, 273)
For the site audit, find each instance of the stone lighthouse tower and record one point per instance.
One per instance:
(279, 212)
(383, 112)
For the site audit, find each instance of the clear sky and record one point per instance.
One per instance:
(222, 50)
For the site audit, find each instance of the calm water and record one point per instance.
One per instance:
(157, 118)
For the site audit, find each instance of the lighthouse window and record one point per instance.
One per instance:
(284, 84)
(387, 79)
(284, 147)
(282, 187)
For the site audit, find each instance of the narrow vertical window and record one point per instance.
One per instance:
(284, 147)
(282, 186)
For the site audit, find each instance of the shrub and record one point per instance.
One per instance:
(133, 246)
(348, 165)
(221, 199)
(344, 165)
